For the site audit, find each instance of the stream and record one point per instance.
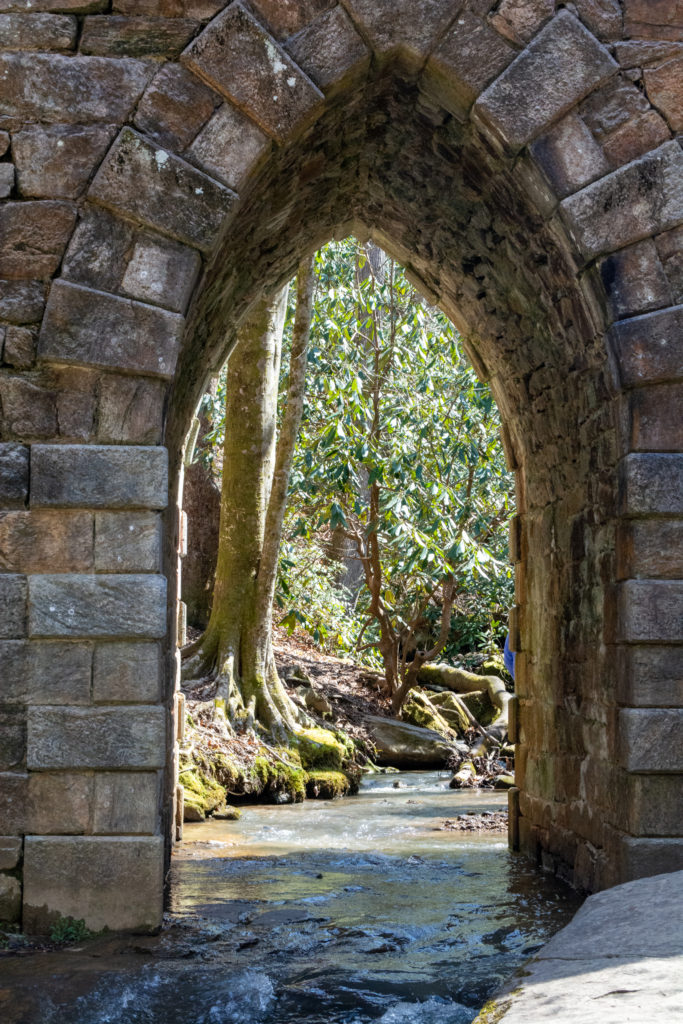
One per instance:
(339, 912)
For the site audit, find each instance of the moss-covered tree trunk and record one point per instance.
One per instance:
(237, 644)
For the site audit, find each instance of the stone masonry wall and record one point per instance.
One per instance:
(165, 163)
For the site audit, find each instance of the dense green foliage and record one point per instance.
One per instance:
(399, 462)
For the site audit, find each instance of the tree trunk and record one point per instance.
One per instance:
(237, 644)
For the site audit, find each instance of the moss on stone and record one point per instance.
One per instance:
(480, 705)
(420, 710)
(328, 785)
(202, 794)
(278, 781)
(321, 748)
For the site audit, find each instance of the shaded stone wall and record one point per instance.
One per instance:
(520, 159)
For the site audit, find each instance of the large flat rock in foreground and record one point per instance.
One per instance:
(620, 959)
(403, 745)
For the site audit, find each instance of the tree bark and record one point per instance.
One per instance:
(237, 644)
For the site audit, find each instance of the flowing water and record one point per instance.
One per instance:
(339, 912)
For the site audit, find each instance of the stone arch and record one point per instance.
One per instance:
(519, 160)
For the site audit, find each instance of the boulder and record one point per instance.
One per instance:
(408, 746)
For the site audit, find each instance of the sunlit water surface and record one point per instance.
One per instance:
(339, 912)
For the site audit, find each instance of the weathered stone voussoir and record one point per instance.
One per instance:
(93, 328)
(561, 65)
(158, 189)
(239, 59)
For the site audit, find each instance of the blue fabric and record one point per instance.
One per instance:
(509, 657)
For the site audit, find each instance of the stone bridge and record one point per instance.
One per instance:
(166, 162)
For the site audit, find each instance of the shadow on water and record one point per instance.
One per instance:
(348, 912)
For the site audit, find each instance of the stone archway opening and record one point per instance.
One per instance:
(484, 156)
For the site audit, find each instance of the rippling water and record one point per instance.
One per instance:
(340, 912)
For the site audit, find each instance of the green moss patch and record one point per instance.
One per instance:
(321, 748)
(202, 793)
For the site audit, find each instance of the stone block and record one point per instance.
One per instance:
(241, 61)
(670, 249)
(19, 350)
(127, 673)
(603, 17)
(229, 146)
(37, 32)
(612, 106)
(14, 468)
(569, 156)
(634, 54)
(22, 302)
(49, 88)
(176, 104)
(638, 200)
(641, 858)
(651, 484)
(46, 672)
(86, 878)
(664, 87)
(467, 58)
(72, 6)
(161, 271)
(126, 802)
(10, 852)
(635, 138)
(131, 410)
(656, 805)
(59, 803)
(97, 606)
(34, 237)
(15, 674)
(13, 797)
(119, 36)
(13, 594)
(650, 549)
(127, 541)
(650, 676)
(12, 737)
(10, 899)
(634, 280)
(37, 541)
(646, 347)
(93, 328)
(59, 672)
(76, 392)
(330, 50)
(4, 142)
(155, 188)
(121, 737)
(520, 20)
(284, 18)
(202, 9)
(6, 180)
(99, 250)
(28, 410)
(655, 418)
(521, 103)
(57, 161)
(113, 255)
(651, 739)
(398, 26)
(651, 611)
(99, 476)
